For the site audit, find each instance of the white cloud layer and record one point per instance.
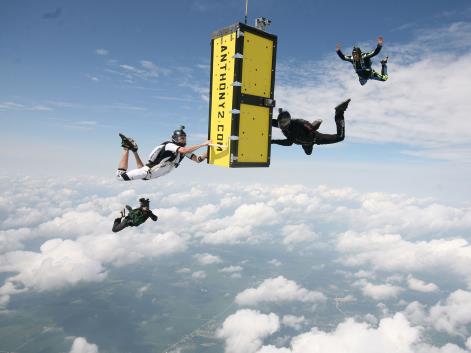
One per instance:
(386, 232)
(278, 289)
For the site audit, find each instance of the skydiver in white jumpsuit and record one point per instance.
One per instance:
(162, 160)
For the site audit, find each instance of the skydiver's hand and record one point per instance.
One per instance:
(337, 47)
(207, 143)
(380, 40)
(202, 157)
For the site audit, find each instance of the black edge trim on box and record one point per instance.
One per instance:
(272, 96)
(210, 98)
(239, 48)
(254, 100)
(249, 164)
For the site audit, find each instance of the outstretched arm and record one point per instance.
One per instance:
(190, 149)
(377, 49)
(341, 55)
(153, 216)
(282, 142)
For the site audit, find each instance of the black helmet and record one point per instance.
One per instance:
(177, 133)
(356, 50)
(285, 116)
(144, 202)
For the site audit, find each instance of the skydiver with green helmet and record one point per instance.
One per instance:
(135, 216)
(362, 63)
(162, 160)
(304, 133)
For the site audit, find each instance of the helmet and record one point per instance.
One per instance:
(177, 133)
(144, 202)
(356, 50)
(284, 118)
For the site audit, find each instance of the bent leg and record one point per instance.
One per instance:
(138, 160)
(380, 76)
(325, 139)
(118, 225)
(362, 80)
(135, 174)
(123, 163)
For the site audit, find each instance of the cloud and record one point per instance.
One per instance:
(231, 269)
(102, 52)
(238, 227)
(9, 106)
(389, 252)
(293, 321)
(275, 262)
(392, 335)
(452, 315)
(385, 229)
(420, 286)
(59, 263)
(278, 289)
(207, 259)
(80, 345)
(62, 263)
(297, 233)
(199, 275)
(140, 292)
(379, 291)
(411, 117)
(245, 330)
(146, 70)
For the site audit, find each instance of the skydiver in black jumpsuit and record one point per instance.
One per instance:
(302, 132)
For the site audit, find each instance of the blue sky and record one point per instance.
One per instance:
(77, 73)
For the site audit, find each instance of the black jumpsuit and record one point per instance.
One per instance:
(302, 132)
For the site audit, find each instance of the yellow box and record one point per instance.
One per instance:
(241, 96)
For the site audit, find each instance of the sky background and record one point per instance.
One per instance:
(363, 246)
(76, 74)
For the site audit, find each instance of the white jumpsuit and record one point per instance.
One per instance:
(162, 160)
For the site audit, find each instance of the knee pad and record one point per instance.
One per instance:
(122, 175)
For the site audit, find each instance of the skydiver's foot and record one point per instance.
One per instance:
(384, 61)
(128, 143)
(342, 106)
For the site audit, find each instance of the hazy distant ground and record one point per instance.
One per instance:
(170, 285)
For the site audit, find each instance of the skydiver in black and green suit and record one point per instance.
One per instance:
(362, 63)
(135, 217)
